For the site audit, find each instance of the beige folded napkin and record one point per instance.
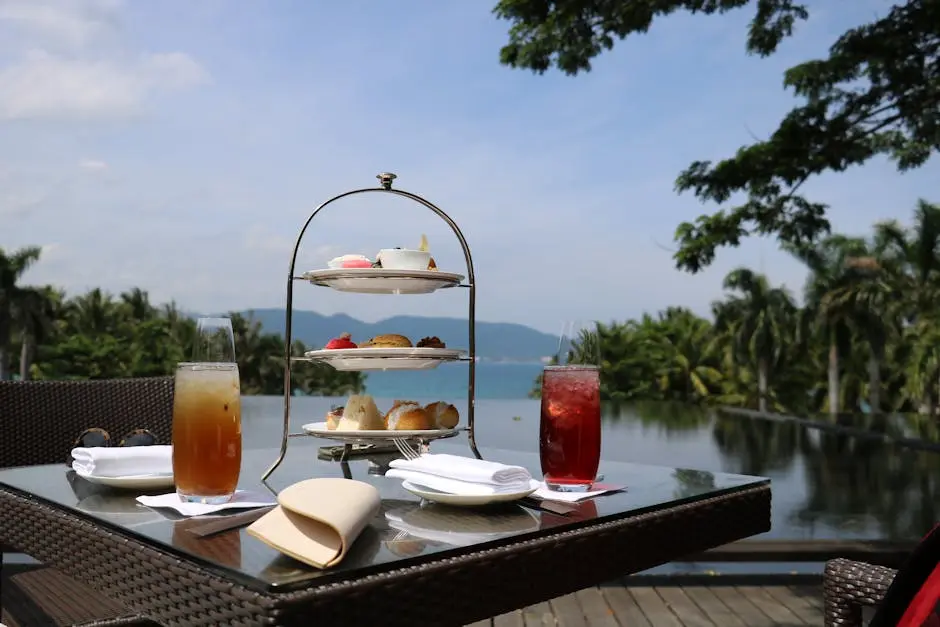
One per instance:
(317, 520)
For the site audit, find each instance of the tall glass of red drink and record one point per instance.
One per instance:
(570, 425)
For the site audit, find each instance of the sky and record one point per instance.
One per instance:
(179, 147)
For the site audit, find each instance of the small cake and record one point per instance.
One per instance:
(360, 414)
(443, 415)
(431, 264)
(333, 417)
(389, 340)
(431, 342)
(343, 341)
(350, 261)
(407, 416)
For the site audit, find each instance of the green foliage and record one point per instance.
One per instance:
(867, 336)
(97, 336)
(877, 93)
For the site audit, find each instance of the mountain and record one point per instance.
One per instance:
(502, 341)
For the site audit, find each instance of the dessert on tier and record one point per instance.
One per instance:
(333, 417)
(350, 261)
(343, 341)
(431, 342)
(362, 414)
(443, 415)
(388, 340)
(397, 258)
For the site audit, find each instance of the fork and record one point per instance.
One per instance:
(405, 449)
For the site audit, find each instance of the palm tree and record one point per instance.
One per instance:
(828, 272)
(910, 264)
(95, 313)
(757, 320)
(12, 268)
(869, 298)
(683, 346)
(33, 314)
(136, 302)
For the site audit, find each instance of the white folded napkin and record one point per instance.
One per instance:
(123, 461)
(243, 499)
(461, 475)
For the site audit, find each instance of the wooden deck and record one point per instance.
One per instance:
(617, 605)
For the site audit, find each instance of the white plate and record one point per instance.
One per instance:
(320, 430)
(131, 482)
(461, 500)
(383, 280)
(385, 358)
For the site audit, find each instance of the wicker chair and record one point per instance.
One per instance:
(40, 423)
(848, 586)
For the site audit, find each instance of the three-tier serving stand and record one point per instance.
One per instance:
(385, 187)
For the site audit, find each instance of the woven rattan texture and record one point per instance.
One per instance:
(41, 419)
(443, 591)
(62, 601)
(848, 586)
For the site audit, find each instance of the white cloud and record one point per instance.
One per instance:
(71, 23)
(68, 59)
(44, 85)
(92, 165)
(16, 202)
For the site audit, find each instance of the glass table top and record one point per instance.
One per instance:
(405, 532)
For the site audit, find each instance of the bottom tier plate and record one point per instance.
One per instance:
(320, 430)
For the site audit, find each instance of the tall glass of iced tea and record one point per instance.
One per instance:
(207, 433)
(570, 424)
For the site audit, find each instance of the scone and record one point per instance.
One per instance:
(361, 414)
(442, 415)
(389, 340)
(406, 416)
(333, 417)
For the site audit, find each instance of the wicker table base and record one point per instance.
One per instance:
(454, 588)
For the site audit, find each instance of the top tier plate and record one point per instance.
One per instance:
(383, 280)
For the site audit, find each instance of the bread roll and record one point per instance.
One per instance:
(407, 416)
(443, 415)
(361, 414)
(389, 340)
(333, 417)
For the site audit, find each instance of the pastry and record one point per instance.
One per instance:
(406, 416)
(442, 415)
(431, 342)
(389, 340)
(423, 247)
(343, 341)
(350, 261)
(333, 417)
(360, 414)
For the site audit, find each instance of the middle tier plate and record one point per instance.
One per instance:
(320, 430)
(385, 358)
